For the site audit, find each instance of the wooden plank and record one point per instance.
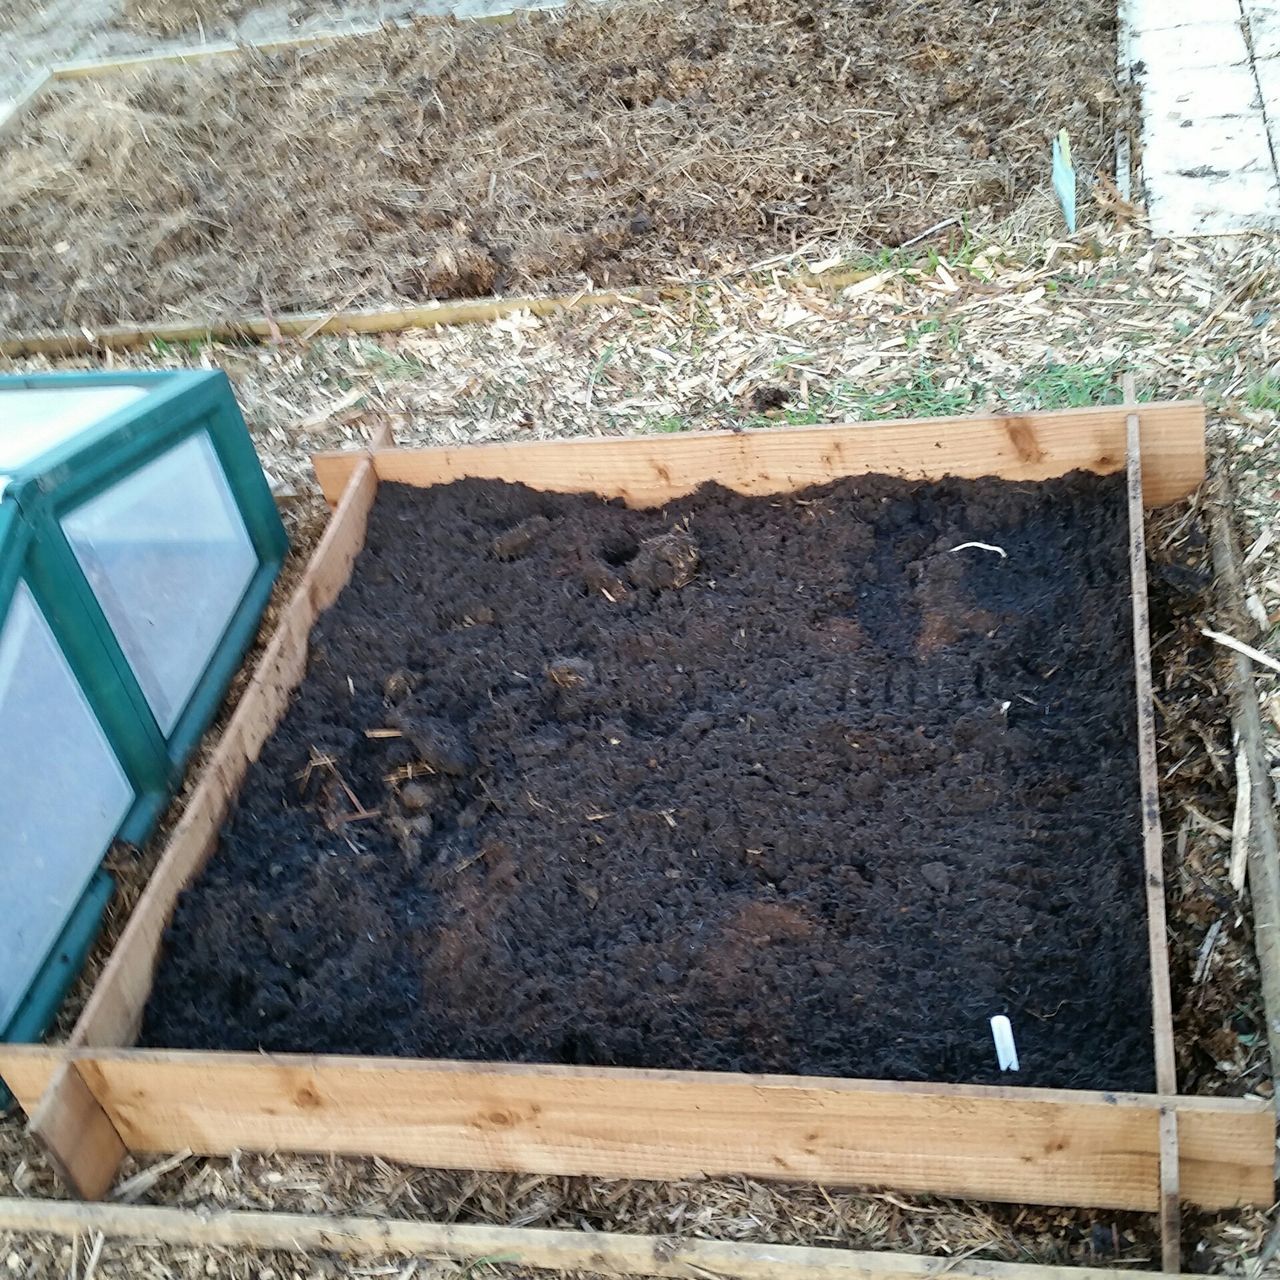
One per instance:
(651, 470)
(1209, 1138)
(222, 49)
(603, 1253)
(77, 1134)
(1152, 838)
(27, 1070)
(214, 51)
(1263, 866)
(1152, 843)
(1026, 1146)
(16, 110)
(114, 1011)
(308, 324)
(1170, 1206)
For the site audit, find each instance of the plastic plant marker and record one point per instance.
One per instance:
(1064, 178)
(52, 836)
(168, 557)
(1006, 1050)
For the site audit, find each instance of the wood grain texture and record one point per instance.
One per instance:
(1152, 836)
(601, 1253)
(1170, 1204)
(28, 1070)
(77, 1134)
(114, 1011)
(651, 470)
(1060, 1147)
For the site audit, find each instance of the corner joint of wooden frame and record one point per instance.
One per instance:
(79, 1136)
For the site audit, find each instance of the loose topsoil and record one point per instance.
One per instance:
(605, 145)
(793, 784)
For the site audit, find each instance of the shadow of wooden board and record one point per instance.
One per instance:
(1034, 1146)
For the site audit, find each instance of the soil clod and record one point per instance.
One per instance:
(441, 746)
(665, 563)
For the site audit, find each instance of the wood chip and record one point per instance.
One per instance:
(1241, 822)
(1219, 637)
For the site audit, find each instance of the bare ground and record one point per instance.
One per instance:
(668, 139)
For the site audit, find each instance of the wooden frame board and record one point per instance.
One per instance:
(648, 470)
(599, 1252)
(95, 1096)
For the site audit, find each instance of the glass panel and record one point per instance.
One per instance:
(35, 420)
(169, 558)
(62, 795)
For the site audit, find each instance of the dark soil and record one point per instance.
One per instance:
(762, 784)
(608, 145)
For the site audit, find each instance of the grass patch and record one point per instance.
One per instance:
(1072, 386)
(1264, 394)
(392, 363)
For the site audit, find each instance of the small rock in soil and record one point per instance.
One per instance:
(411, 833)
(641, 223)
(600, 578)
(936, 876)
(666, 562)
(416, 796)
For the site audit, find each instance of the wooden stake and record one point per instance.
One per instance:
(79, 1136)
(308, 324)
(199, 52)
(1170, 1204)
(602, 1253)
(1152, 845)
(1152, 838)
(1264, 846)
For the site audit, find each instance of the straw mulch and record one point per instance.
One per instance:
(173, 17)
(601, 145)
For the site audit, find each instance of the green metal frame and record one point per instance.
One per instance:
(34, 549)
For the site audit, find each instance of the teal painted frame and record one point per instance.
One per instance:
(180, 405)
(34, 549)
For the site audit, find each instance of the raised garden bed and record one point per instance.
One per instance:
(95, 1098)
(811, 783)
(607, 145)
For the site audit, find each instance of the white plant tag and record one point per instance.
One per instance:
(1006, 1050)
